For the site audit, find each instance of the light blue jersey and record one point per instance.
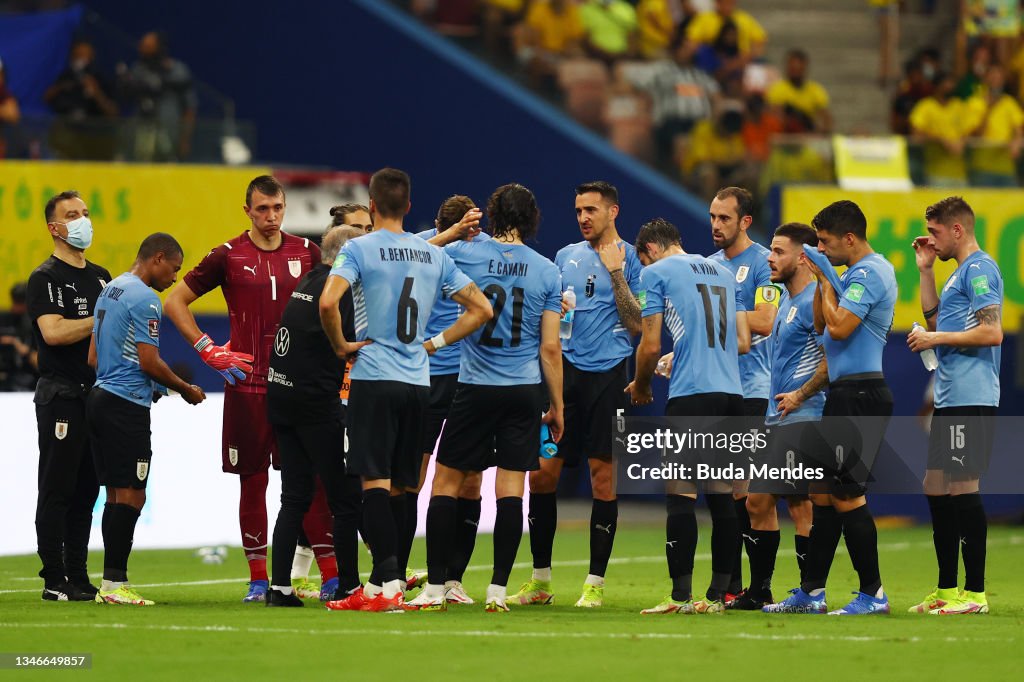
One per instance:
(796, 354)
(127, 313)
(599, 341)
(698, 300)
(396, 280)
(968, 376)
(520, 284)
(444, 314)
(753, 286)
(869, 292)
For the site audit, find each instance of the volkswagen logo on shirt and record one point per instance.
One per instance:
(282, 341)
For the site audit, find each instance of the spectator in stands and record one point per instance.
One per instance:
(681, 95)
(722, 58)
(912, 89)
(979, 62)
(993, 21)
(551, 32)
(706, 26)
(662, 25)
(164, 101)
(83, 100)
(801, 102)
(610, 27)
(941, 123)
(17, 354)
(499, 17)
(999, 137)
(456, 19)
(717, 157)
(760, 126)
(10, 114)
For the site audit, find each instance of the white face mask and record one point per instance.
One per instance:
(79, 232)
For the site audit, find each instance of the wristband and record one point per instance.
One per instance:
(203, 342)
(439, 341)
(931, 312)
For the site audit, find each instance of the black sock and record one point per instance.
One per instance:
(403, 542)
(284, 536)
(862, 543)
(543, 518)
(121, 525)
(763, 547)
(724, 532)
(973, 527)
(801, 544)
(604, 518)
(440, 534)
(346, 534)
(743, 521)
(945, 538)
(467, 520)
(680, 544)
(108, 535)
(508, 532)
(826, 530)
(379, 527)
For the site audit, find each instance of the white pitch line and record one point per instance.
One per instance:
(891, 547)
(501, 634)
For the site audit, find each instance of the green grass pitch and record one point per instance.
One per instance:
(200, 629)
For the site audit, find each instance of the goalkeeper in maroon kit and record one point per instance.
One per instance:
(257, 272)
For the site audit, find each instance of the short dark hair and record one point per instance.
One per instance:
(658, 231)
(513, 207)
(951, 210)
(159, 242)
(452, 209)
(266, 185)
(389, 192)
(605, 189)
(744, 200)
(800, 233)
(51, 204)
(841, 217)
(19, 292)
(797, 53)
(339, 214)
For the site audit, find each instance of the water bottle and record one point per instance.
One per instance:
(565, 326)
(548, 447)
(928, 357)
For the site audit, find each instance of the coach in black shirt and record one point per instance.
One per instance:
(62, 294)
(304, 405)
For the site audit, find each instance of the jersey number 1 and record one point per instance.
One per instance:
(706, 292)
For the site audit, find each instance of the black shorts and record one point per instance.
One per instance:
(120, 438)
(960, 442)
(385, 422)
(786, 449)
(593, 402)
(755, 407)
(705, 405)
(442, 392)
(493, 426)
(708, 411)
(855, 417)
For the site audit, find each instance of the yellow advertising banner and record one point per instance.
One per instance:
(200, 205)
(895, 218)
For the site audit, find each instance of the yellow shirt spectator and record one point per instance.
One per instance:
(707, 145)
(949, 122)
(556, 31)
(1001, 127)
(706, 26)
(610, 25)
(655, 26)
(809, 98)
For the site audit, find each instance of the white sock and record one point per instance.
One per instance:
(596, 580)
(449, 584)
(542, 574)
(817, 592)
(880, 593)
(110, 585)
(371, 590)
(282, 590)
(302, 562)
(391, 588)
(496, 592)
(433, 592)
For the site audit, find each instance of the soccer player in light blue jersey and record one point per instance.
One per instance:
(965, 330)
(731, 217)
(696, 299)
(125, 351)
(797, 379)
(496, 415)
(395, 278)
(855, 323)
(603, 272)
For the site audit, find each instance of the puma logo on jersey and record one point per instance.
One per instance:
(800, 556)
(250, 268)
(574, 262)
(71, 286)
(752, 539)
(671, 543)
(959, 460)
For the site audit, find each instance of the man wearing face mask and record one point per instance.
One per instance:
(62, 293)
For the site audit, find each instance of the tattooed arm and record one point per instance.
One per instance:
(788, 402)
(989, 332)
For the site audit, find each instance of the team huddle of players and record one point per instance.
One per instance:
(349, 364)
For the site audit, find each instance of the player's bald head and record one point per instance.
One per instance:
(335, 238)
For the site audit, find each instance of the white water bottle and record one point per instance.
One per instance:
(928, 357)
(565, 325)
